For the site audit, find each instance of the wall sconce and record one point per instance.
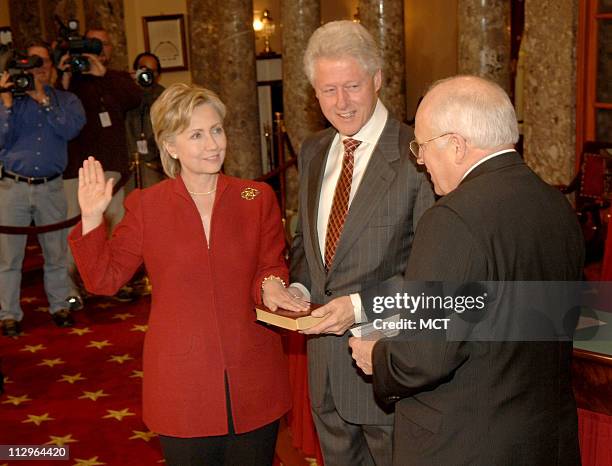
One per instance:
(264, 27)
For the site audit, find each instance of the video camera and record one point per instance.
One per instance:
(22, 80)
(17, 65)
(145, 77)
(71, 42)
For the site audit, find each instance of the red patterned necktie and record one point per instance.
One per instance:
(340, 203)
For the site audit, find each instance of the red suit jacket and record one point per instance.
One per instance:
(202, 323)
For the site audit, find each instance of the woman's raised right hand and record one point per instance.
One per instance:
(95, 193)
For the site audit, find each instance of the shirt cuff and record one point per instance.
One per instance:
(360, 316)
(303, 289)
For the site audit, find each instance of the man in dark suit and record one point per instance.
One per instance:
(480, 403)
(361, 196)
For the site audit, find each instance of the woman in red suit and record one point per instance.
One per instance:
(215, 381)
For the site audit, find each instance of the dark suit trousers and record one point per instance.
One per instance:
(344, 443)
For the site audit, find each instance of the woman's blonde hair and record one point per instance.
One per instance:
(171, 114)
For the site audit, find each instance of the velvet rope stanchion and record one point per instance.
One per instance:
(37, 229)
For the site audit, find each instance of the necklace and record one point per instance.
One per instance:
(195, 193)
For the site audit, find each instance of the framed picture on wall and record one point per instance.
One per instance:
(165, 37)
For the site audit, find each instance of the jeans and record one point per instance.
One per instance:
(20, 203)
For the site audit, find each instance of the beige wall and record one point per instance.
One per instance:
(338, 9)
(134, 11)
(5, 19)
(431, 45)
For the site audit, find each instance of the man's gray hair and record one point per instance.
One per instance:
(339, 39)
(477, 109)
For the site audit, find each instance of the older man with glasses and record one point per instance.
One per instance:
(481, 403)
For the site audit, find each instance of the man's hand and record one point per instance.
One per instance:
(362, 351)
(64, 67)
(275, 295)
(339, 316)
(7, 97)
(96, 68)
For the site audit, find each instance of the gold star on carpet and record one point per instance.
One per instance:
(105, 305)
(136, 374)
(93, 395)
(71, 378)
(38, 420)
(60, 441)
(98, 344)
(146, 436)
(140, 328)
(7, 379)
(32, 348)
(119, 415)
(28, 299)
(51, 362)
(16, 400)
(80, 331)
(41, 309)
(93, 461)
(124, 316)
(120, 359)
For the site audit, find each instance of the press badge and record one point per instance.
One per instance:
(143, 148)
(105, 120)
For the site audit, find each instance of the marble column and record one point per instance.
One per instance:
(384, 19)
(223, 59)
(65, 9)
(108, 15)
(484, 39)
(299, 19)
(302, 115)
(550, 88)
(25, 22)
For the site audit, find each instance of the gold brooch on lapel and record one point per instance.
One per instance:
(249, 193)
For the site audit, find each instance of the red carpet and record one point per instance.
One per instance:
(79, 387)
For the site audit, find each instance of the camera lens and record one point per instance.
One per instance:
(22, 82)
(79, 64)
(145, 77)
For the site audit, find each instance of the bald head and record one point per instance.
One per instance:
(476, 108)
(460, 121)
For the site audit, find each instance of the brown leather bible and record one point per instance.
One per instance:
(288, 319)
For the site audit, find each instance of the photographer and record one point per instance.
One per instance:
(107, 95)
(146, 73)
(34, 130)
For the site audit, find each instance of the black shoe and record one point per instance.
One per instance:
(11, 328)
(63, 318)
(125, 294)
(75, 303)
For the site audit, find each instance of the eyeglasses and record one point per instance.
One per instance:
(415, 147)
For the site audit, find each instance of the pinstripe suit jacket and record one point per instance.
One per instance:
(374, 246)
